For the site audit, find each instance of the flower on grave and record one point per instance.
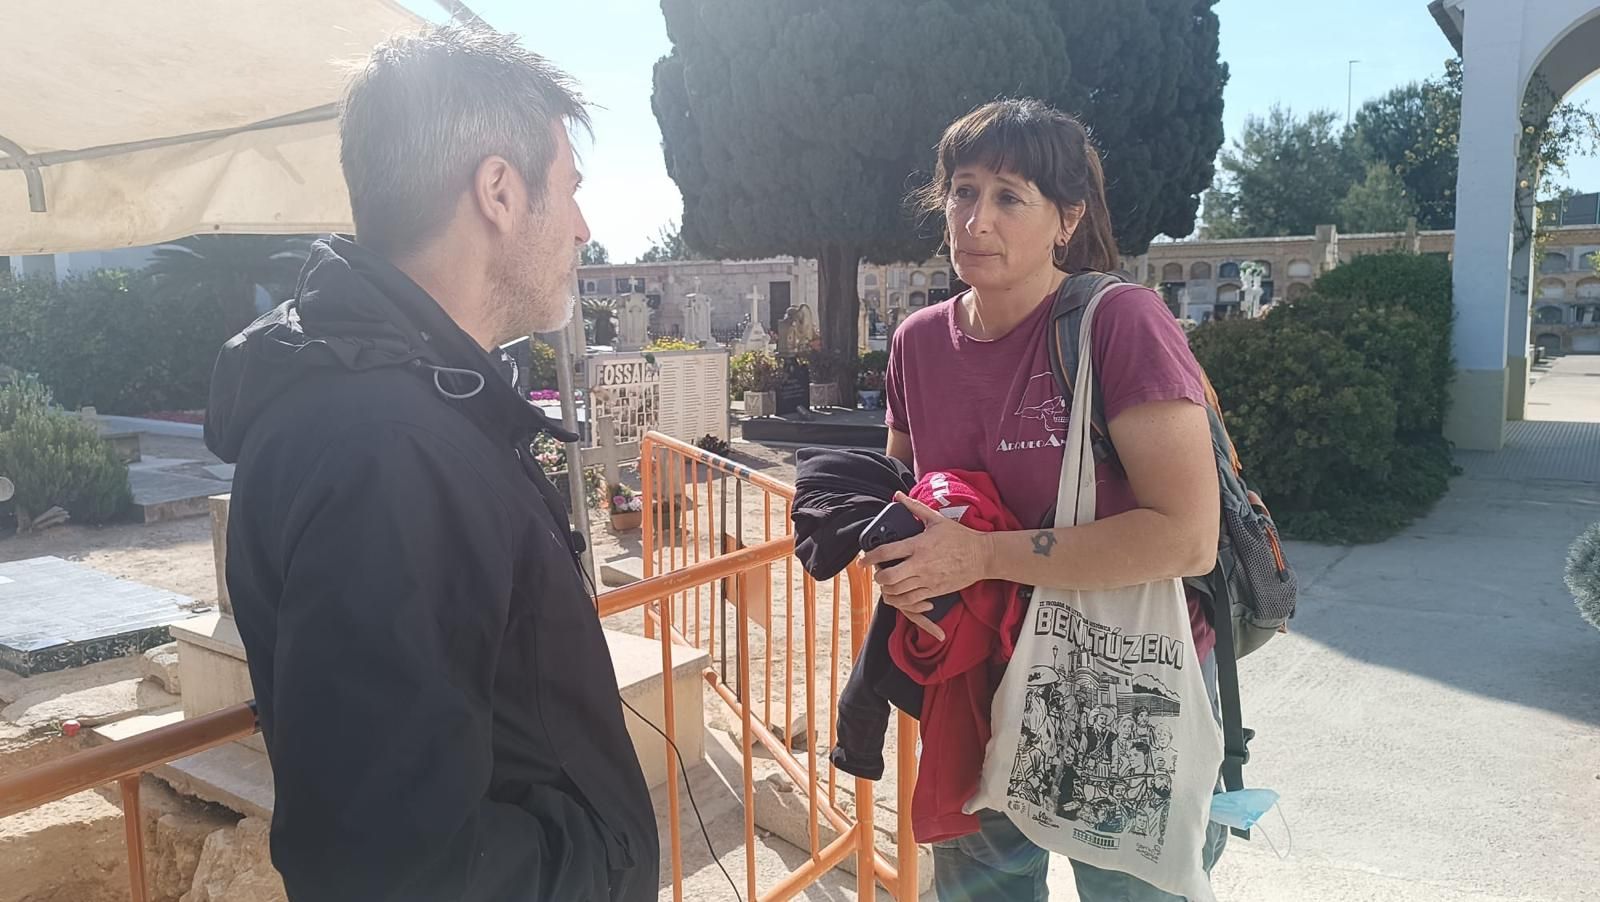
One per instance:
(625, 500)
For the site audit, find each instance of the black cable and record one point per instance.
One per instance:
(667, 687)
(690, 790)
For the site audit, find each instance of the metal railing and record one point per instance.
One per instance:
(700, 508)
(123, 763)
(702, 579)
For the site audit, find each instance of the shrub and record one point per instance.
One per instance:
(55, 459)
(754, 371)
(874, 362)
(541, 366)
(1583, 574)
(17, 397)
(830, 366)
(1420, 285)
(1337, 401)
(1395, 342)
(111, 339)
(1307, 415)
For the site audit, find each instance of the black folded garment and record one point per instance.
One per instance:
(837, 493)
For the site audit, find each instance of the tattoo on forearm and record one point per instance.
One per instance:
(1044, 542)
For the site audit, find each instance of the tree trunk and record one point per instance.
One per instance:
(838, 308)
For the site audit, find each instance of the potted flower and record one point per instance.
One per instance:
(825, 368)
(626, 508)
(869, 390)
(757, 376)
(869, 379)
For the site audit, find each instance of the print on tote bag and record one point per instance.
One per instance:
(1096, 747)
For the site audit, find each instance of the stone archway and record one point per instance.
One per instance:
(1513, 51)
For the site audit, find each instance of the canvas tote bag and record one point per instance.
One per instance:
(1104, 746)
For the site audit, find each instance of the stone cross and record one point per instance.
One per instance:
(755, 334)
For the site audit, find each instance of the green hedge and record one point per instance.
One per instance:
(110, 339)
(1337, 402)
(57, 460)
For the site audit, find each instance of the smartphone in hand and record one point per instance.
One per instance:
(897, 523)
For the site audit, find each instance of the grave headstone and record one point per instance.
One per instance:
(634, 322)
(794, 392)
(697, 318)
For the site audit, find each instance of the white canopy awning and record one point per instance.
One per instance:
(133, 123)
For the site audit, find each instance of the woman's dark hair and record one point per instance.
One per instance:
(1045, 146)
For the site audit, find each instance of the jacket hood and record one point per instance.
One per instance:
(354, 311)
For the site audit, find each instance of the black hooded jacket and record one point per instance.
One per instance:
(837, 493)
(437, 698)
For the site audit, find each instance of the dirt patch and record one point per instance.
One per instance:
(175, 556)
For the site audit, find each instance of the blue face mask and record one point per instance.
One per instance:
(1242, 808)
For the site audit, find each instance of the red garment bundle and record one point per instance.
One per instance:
(962, 672)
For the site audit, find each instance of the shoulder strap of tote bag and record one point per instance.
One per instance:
(1075, 497)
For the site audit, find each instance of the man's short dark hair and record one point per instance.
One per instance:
(427, 109)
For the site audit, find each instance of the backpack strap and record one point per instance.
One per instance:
(1235, 738)
(1066, 321)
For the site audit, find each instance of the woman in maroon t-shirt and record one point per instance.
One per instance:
(970, 388)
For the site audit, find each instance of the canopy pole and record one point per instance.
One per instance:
(27, 161)
(29, 172)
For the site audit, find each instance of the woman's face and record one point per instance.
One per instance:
(1002, 230)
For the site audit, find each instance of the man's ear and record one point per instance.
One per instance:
(498, 193)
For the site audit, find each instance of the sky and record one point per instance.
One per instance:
(1278, 53)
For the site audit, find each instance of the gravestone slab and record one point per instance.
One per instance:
(55, 614)
(160, 495)
(795, 390)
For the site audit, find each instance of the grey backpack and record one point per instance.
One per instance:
(1251, 593)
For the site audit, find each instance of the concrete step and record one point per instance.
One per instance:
(211, 661)
(623, 571)
(638, 664)
(235, 776)
(159, 496)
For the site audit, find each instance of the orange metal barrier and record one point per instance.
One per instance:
(701, 566)
(702, 508)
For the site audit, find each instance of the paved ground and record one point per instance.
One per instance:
(1569, 389)
(1433, 723)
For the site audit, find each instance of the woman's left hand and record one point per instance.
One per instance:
(945, 557)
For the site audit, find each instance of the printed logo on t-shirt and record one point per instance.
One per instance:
(1040, 419)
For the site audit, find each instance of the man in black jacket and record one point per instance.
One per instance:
(437, 698)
